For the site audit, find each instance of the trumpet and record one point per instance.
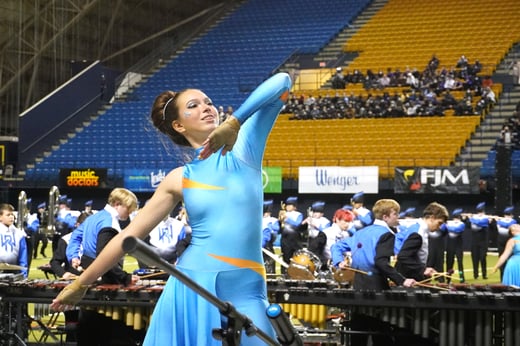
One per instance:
(52, 211)
(23, 210)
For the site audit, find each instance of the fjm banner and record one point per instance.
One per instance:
(437, 180)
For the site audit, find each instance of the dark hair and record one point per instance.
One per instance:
(436, 210)
(164, 111)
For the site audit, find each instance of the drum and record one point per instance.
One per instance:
(304, 265)
(344, 275)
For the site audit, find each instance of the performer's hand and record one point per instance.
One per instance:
(69, 276)
(429, 271)
(224, 135)
(409, 282)
(343, 264)
(69, 296)
(494, 270)
(75, 262)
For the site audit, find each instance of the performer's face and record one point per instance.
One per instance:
(7, 217)
(392, 219)
(434, 223)
(197, 114)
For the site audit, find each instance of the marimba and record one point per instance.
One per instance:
(451, 315)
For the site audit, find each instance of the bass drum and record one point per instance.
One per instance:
(304, 265)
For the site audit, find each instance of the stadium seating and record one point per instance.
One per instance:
(227, 62)
(387, 143)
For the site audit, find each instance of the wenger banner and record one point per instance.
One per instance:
(437, 180)
(338, 179)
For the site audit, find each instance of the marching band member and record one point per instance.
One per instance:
(411, 246)
(270, 231)
(316, 223)
(13, 246)
(479, 224)
(371, 248)
(364, 216)
(291, 240)
(339, 230)
(455, 227)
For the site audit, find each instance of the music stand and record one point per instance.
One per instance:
(236, 321)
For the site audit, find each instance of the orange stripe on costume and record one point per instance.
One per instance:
(242, 263)
(190, 184)
(285, 96)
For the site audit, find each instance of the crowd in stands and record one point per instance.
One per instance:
(426, 93)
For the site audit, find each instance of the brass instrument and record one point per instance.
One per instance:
(52, 210)
(282, 214)
(23, 210)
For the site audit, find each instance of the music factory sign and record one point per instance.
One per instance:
(437, 180)
(83, 177)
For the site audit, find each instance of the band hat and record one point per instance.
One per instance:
(357, 197)
(89, 203)
(407, 212)
(481, 206)
(457, 212)
(346, 207)
(318, 206)
(291, 200)
(42, 205)
(509, 210)
(268, 204)
(62, 199)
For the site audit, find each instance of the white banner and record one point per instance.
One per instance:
(323, 179)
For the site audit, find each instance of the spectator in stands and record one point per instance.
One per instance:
(464, 108)
(462, 62)
(338, 81)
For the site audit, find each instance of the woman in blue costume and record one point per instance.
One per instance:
(511, 257)
(222, 192)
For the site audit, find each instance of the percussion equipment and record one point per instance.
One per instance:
(132, 304)
(462, 315)
(304, 265)
(344, 275)
(7, 266)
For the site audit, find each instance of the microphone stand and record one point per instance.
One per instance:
(231, 335)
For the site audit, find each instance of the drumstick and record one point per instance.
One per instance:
(358, 271)
(431, 286)
(425, 280)
(152, 275)
(275, 257)
(446, 275)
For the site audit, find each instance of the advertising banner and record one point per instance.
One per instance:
(142, 179)
(272, 179)
(437, 180)
(333, 179)
(83, 177)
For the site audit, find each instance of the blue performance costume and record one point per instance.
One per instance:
(511, 275)
(224, 200)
